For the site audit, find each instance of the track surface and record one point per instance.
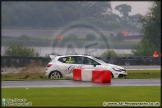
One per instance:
(71, 83)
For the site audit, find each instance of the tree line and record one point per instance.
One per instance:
(57, 14)
(151, 31)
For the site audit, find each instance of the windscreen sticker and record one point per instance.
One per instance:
(71, 67)
(64, 59)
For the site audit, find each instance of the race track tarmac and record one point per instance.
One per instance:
(71, 83)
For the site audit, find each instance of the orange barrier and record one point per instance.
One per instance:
(155, 54)
(60, 37)
(102, 76)
(126, 33)
(77, 74)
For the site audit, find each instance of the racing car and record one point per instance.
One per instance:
(62, 66)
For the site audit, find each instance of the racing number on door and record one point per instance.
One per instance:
(70, 68)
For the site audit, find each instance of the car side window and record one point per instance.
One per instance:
(71, 60)
(68, 60)
(63, 59)
(79, 59)
(89, 61)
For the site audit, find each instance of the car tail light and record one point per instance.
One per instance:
(49, 65)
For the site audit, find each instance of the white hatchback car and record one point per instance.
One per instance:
(62, 66)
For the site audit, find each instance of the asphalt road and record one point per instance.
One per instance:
(71, 83)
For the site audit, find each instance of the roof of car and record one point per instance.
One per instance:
(58, 56)
(74, 55)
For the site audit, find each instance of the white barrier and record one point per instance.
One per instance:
(86, 74)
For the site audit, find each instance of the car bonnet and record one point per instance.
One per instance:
(115, 66)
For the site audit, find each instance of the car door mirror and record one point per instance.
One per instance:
(94, 64)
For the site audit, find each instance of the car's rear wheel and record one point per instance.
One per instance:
(55, 74)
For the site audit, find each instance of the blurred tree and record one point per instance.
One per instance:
(15, 48)
(24, 37)
(124, 9)
(99, 9)
(151, 30)
(109, 53)
(113, 17)
(57, 14)
(133, 19)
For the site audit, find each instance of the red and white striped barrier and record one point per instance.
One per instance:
(102, 76)
(86, 74)
(77, 74)
(94, 75)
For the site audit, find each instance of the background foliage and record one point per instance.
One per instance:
(56, 14)
(151, 30)
(15, 48)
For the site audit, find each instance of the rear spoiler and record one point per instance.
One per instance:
(52, 56)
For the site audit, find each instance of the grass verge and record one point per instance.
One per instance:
(22, 76)
(83, 96)
(144, 74)
(28, 75)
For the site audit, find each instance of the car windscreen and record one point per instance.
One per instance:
(98, 60)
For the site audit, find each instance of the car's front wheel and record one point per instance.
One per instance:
(55, 74)
(112, 76)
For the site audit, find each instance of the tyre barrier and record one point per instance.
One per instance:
(19, 61)
(94, 75)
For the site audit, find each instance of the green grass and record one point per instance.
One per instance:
(132, 74)
(22, 76)
(84, 96)
(144, 74)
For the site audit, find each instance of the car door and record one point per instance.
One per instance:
(67, 64)
(87, 63)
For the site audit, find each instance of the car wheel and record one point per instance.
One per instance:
(112, 76)
(124, 76)
(55, 74)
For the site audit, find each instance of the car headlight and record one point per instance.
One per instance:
(117, 69)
